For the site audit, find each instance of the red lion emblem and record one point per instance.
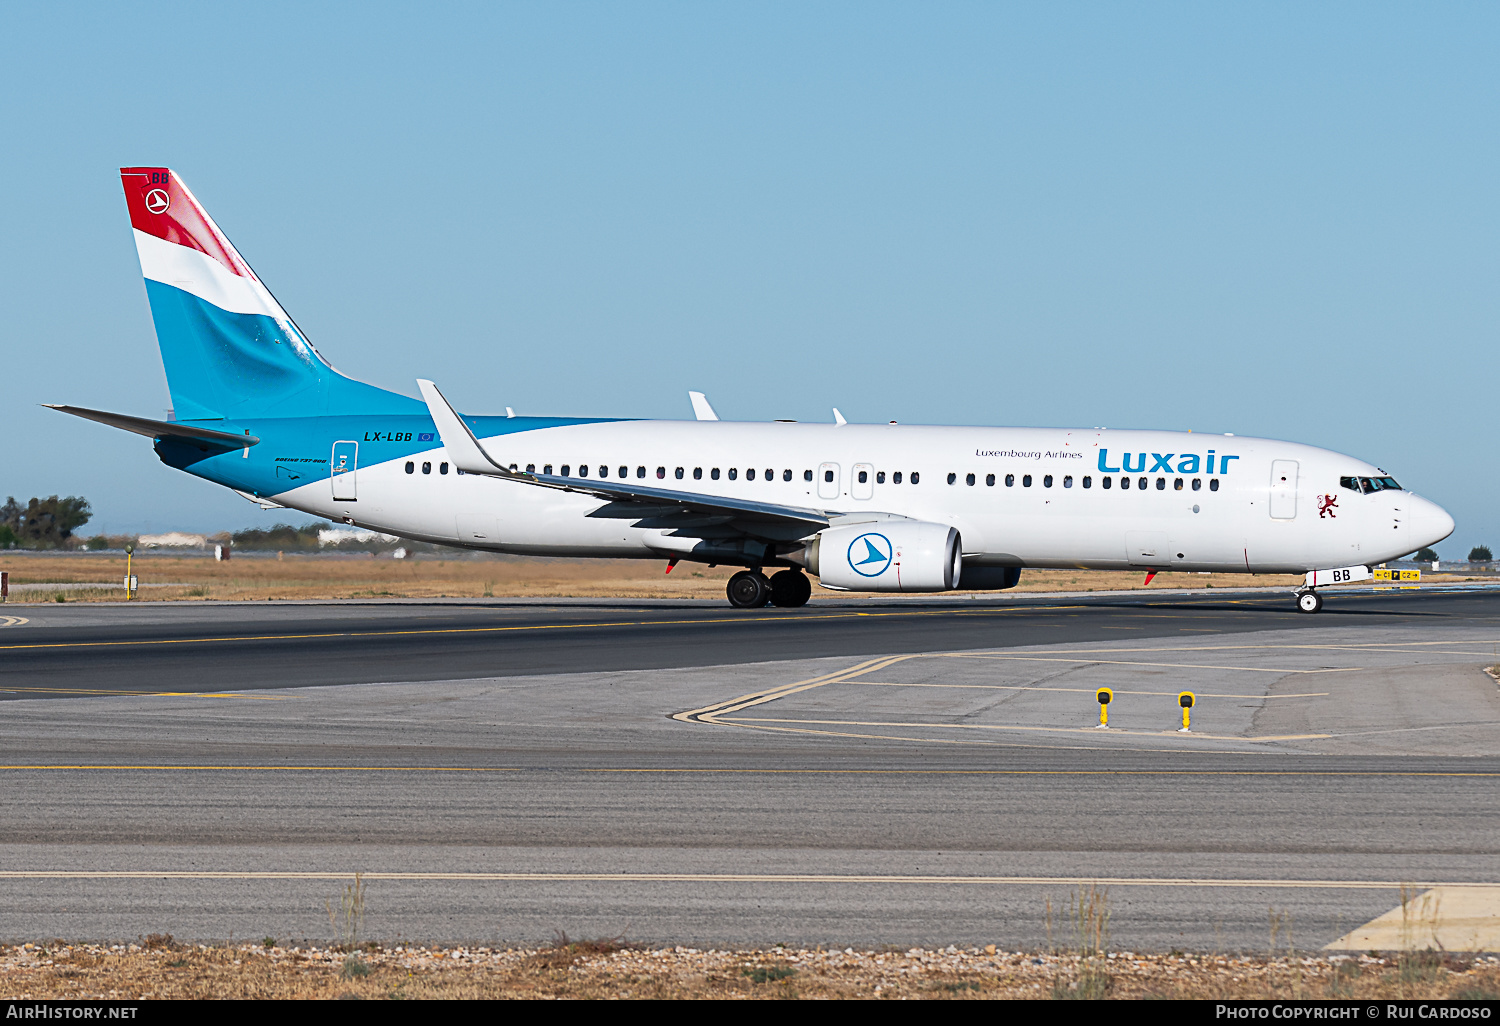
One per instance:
(1326, 506)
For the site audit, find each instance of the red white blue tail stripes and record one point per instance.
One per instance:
(179, 245)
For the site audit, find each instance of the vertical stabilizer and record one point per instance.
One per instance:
(229, 349)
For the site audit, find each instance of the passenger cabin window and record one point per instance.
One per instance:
(952, 478)
(1068, 481)
(531, 468)
(1213, 484)
(989, 480)
(661, 473)
(1161, 484)
(547, 469)
(624, 473)
(864, 477)
(733, 473)
(1026, 481)
(750, 474)
(1124, 482)
(969, 479)
(1197, 484)
(1141, 484)
(714, 474)
(879, 476)
(1088, 482)
(603, 471)
(697, 473)
(411, 468)
(426, 468)
(583, 470)
(640, 471)
(1047, 481)
(1010, 480)
(786, 475)
(896, 477)
(915, 477)
(678, 473)
(770, 474)
(827, 476)
(1177, 484)
(1105, 482)
(807, 476)
(442, 468)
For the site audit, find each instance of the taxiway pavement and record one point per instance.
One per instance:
(854, 773)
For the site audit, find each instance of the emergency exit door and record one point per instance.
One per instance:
(1283, 489)
(342, 466)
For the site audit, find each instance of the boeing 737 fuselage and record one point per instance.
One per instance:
(883, 508)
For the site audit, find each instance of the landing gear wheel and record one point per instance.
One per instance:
(1309, 602)
(748, 590)
(789, 589)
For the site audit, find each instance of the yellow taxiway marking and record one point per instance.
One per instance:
(162, 767)
(722, 713)
(13, 621)
(142, 694)
(1114, 731)
(1142, 662)
(262, 769)
(214, 694)
(775, 878)
(1449, 917)
(1081, 691)
(580, 625)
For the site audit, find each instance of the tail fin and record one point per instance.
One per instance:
(229, 349)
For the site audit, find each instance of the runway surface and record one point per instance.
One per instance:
(862, 772)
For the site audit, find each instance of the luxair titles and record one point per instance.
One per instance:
(1132, 462)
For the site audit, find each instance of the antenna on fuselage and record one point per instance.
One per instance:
(838, 418)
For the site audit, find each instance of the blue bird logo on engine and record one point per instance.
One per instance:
(870, 554)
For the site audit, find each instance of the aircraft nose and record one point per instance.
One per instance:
(1430, 523)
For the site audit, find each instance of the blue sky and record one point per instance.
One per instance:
(1269, 219)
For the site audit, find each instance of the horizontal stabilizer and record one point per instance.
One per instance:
(160, 428)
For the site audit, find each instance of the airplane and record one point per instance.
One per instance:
(864, 507)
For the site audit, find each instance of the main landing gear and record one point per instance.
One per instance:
(1309, 601)
(749, 589)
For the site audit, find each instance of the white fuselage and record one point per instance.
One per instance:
(1194, 502)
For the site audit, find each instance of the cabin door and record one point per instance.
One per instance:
(345, 460)
(1283, 489)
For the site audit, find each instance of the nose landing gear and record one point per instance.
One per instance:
(1309, 601)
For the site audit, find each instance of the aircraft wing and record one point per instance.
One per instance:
(160, 428)
(626, 500)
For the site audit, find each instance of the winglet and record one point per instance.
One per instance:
(463, 448)
(838, 418)
(701, 409)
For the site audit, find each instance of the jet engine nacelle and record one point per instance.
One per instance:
(890, 555)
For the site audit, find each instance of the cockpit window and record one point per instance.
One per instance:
(1369, 484)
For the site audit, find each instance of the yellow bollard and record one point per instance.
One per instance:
(1186, 700)
(1105, 696)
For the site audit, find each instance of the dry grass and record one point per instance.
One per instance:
(573, 969)
(167, 578)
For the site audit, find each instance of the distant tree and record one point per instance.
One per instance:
(45, 523)
(1480, 554)
(282, 536)
(1425, 556)
(7, 537)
